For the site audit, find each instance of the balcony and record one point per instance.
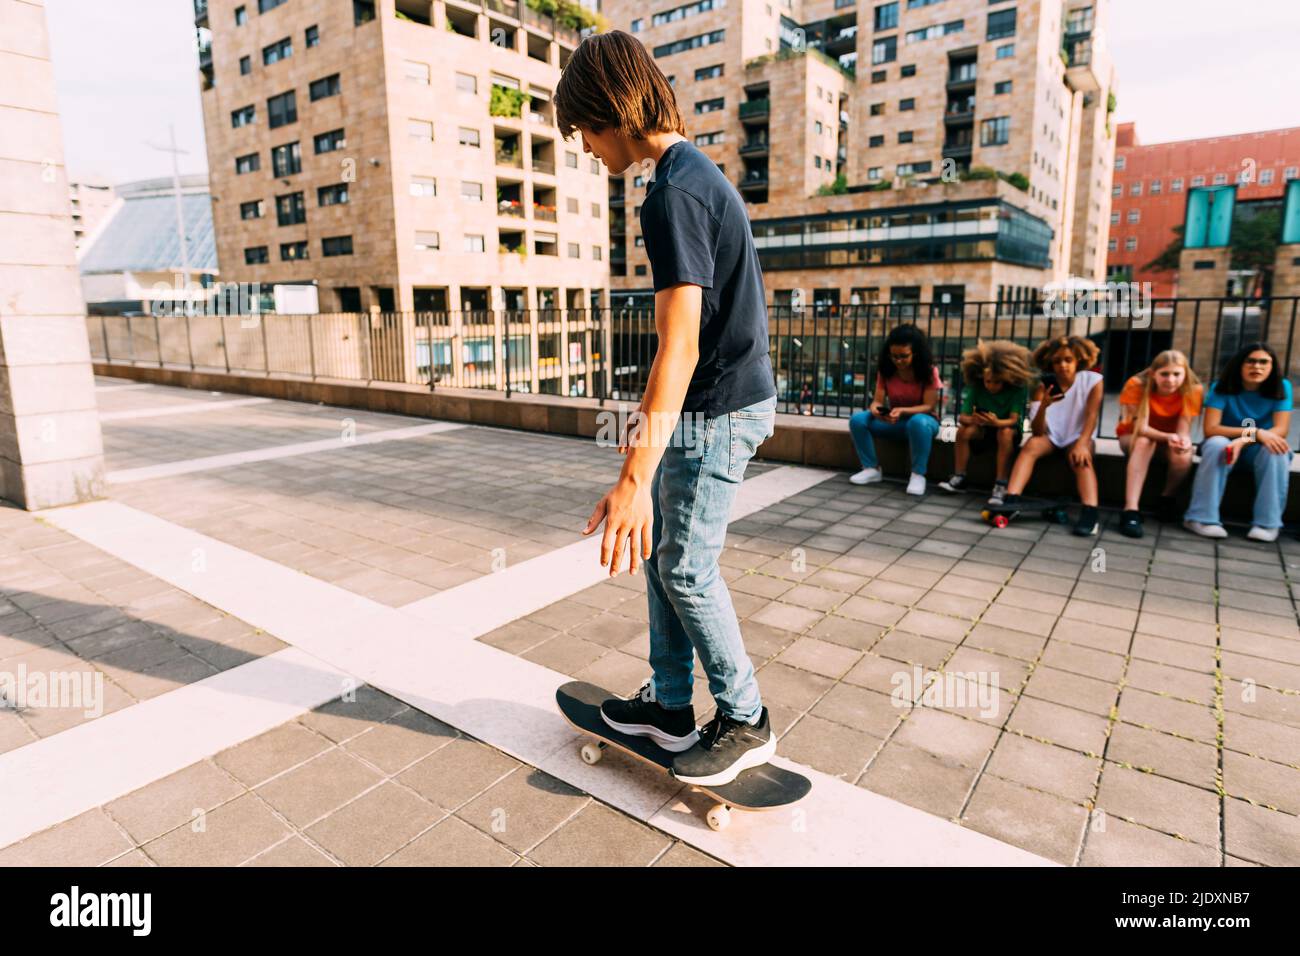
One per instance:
(757, 146)
(616, 199)
(205, 56)
(543, 166)
(960, 149)
(541, 119)
(509, 7)
(545, 213)
(1079, 73)
(754, 179)
(963, 116)
(755, 110)
(962, 76)
(510, 207)
(510, 158)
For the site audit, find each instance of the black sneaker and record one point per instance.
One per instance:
(1167, 509)
(642, 716)
(956, 483)
(726, 748)
(999, 496)
(1130, 524)
(1087, 523)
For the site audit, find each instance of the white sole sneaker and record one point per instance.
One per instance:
(671, 744)
(1262, 534)
(916, 485)
(752, 758)
(1206, 530)
(867, 476)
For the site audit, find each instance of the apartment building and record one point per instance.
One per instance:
(92, 204)
(1152, 182)
(914, 150)
(398, 155)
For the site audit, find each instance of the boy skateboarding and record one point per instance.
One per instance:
(709, 402)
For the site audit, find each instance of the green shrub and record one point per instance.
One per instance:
(506, 102)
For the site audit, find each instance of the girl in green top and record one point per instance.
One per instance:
(997, 378)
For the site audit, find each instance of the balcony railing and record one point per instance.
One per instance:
(546, 213)
(510, 158)
(755, 108)
(510, 207)
(752, 147)
(543, 166)
(542, 119)
(963, 75)
(509, 7)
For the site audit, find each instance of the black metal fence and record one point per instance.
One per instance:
(824, 357)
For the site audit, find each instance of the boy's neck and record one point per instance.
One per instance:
(653, 146)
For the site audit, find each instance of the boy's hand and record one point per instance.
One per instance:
(628, 514)
(985, 418)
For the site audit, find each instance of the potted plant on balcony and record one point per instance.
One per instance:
(504, 101)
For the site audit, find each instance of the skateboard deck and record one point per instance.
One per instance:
(998, 516)
(765, 787)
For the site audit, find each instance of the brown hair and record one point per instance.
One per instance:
(1148, 378)
(1085, 351)
(1007, 360)
(612, 82)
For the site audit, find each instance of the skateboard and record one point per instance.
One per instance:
(764, 787)
(1000, 517)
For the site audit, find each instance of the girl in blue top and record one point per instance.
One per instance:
(1247, 414)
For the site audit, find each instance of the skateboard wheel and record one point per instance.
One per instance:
(591, 753)
(718, 817)
(1000, 521)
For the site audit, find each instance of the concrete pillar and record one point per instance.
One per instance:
(51, 451)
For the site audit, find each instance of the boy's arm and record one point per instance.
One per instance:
(627, 510)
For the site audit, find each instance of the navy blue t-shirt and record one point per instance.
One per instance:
(696, 230)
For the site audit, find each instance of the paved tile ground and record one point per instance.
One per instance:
(1154, 685)
(68, 608)
(367, 782)
(1147, 702)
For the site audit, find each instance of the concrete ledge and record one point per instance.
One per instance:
(799, 439)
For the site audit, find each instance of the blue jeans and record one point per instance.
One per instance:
(690, 606)
(1271, 475)
(919, 430)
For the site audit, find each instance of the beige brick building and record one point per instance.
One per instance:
(903, 100)
(357, 146)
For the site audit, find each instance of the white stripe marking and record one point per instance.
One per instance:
(123, 388)
(190, 465)
(503, 700)
(186, 408)
(494, 600)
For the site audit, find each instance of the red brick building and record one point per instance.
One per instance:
(1151, 183)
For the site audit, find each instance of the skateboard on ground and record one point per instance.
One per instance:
(759, 788)
(1053, 512)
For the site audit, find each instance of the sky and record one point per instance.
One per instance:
(125, 69)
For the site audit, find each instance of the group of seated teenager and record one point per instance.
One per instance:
(1058, 391)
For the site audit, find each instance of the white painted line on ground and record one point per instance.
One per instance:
(61, 776)
(494, 600)
(503, 700)
(186, 408)
(212, 462)
(123, 388)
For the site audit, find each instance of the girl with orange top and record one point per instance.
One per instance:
(1157, 408)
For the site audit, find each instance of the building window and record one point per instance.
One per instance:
(575, 250)
(571, 204)
(905, 136)
(329, 142)
(473, 243)
(1121, 163)
(251, 210)
(1006, 52)
(416, 72)
(637, 24)
(282, 110)
(1176, 186)
(595, 210)
(243, 116)
(1135, 189)
(325, 86)
(817, 162)
(336, 195)
(1266, 177)
(1003, 87)
(293, 251)
(1114, 219)
(469, 137)
(887, 17)
(1002, 24)
(879, 76)
(466, 83)
(884, 51)
(1220, 179)
(907, 71)
(938, 30)
(427, 241)
(265, 6)
(1292, 172)
(995, 132)
(286, 160)
(336, 246)
(1156, 187)
(709, 139)
(256, 256)
(708, 72)
(596, 253)
(420, 129)
(1131, 244)
(241, 16)
(1117, 190)
(245, 65)
(876, 141)
(877, 109)
(874, 173)
(907, 104)
(638, 181)
(1113, 245)
(690, 43)
(290, 210)
(595, 167)
(363, 11)
(277, 51)
(571, 159)
(911, 169)
(424, 186)
(311, 36)
(710, 106)
(1134, 216)
(247, 164)
(471, 192)
(1198, 181)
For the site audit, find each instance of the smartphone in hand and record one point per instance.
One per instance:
(1049, 383)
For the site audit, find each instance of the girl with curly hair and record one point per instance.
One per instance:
(997, 376)
(1063, 416)
(1156, 411)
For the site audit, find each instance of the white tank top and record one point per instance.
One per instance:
(1065, 418)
